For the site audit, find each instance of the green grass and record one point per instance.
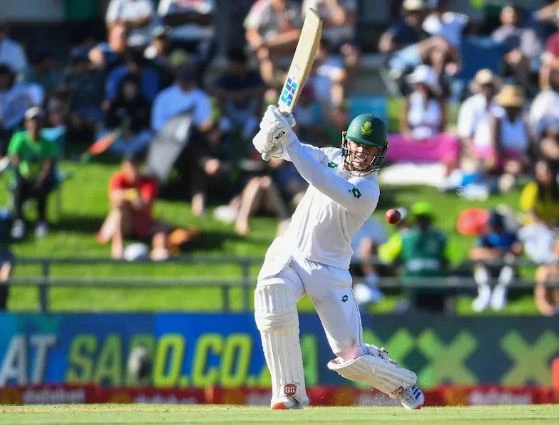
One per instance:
(84, 207)
(139, 414)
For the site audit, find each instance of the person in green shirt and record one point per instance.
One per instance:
(33, 159)
(422, 252)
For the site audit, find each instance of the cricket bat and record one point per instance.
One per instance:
(301, 65)
(302, 61)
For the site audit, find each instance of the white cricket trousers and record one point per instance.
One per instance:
(281, 283)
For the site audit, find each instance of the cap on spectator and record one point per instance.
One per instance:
(510, 96)
(414, 5)
(423, 208)
(485, 76)
(423, 74)
(35, 112)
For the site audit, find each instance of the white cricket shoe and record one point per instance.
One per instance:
(412, 397)
(287, 403)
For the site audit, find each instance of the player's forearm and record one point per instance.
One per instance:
(329, 183)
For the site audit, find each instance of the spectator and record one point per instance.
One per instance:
(274, 187)
(311, 116)
(497, 245)
(522, 46)
(546, 296)
(193, 28)
(136, 15)
(131, 197)
(434, 50)
(548, 148)
(550, 57)
(272, 29)
(83, 87)
(110, 54)
(423, 123)
(15, 100)
(407, 31)
(202, 161)
(129, 114)
(503, 143)
(543, 110)
(11, 52)
(43, 72)
(240, 91)
(260, 193)
(134, 65)
(539, 199)
(158, 52)
(423, 253)
(183, 96)
(6, 260)
(365, 245)
(443, 22)
(33, 158)
(329, 77)
(340, 20)
(476, 109)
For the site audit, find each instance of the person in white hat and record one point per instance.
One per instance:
(502, 142)
(477, 107)
(423, 122)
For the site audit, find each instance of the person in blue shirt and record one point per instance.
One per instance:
(494, 254)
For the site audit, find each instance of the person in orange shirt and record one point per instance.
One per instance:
(131, 198)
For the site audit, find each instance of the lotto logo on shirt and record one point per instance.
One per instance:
(288, 91)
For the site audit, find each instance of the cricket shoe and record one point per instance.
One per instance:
(287, 403)
(412, 397)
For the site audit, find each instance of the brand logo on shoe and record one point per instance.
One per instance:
(289, 389)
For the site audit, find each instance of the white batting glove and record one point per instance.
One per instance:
(265, 147)
(277, 127)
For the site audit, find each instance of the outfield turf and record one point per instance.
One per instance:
(139, 414)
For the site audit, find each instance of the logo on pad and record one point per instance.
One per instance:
(289, 389)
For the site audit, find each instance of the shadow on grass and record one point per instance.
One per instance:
(78, 224)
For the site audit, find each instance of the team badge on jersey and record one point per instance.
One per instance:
(355, 192)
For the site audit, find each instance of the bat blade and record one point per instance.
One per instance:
(302, 61)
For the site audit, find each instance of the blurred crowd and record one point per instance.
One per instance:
(482, 100)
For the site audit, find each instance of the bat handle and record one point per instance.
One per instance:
(288, 115)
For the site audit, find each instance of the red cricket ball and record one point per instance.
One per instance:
(393, 216)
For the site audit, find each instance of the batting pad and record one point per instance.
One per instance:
(375, 372)
(276, 318)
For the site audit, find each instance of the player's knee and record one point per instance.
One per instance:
(348, 350)
(275, 307)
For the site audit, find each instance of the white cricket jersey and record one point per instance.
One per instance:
(333, 209)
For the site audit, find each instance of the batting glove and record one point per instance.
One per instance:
(265, 147)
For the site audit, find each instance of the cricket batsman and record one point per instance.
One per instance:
(312, 257)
